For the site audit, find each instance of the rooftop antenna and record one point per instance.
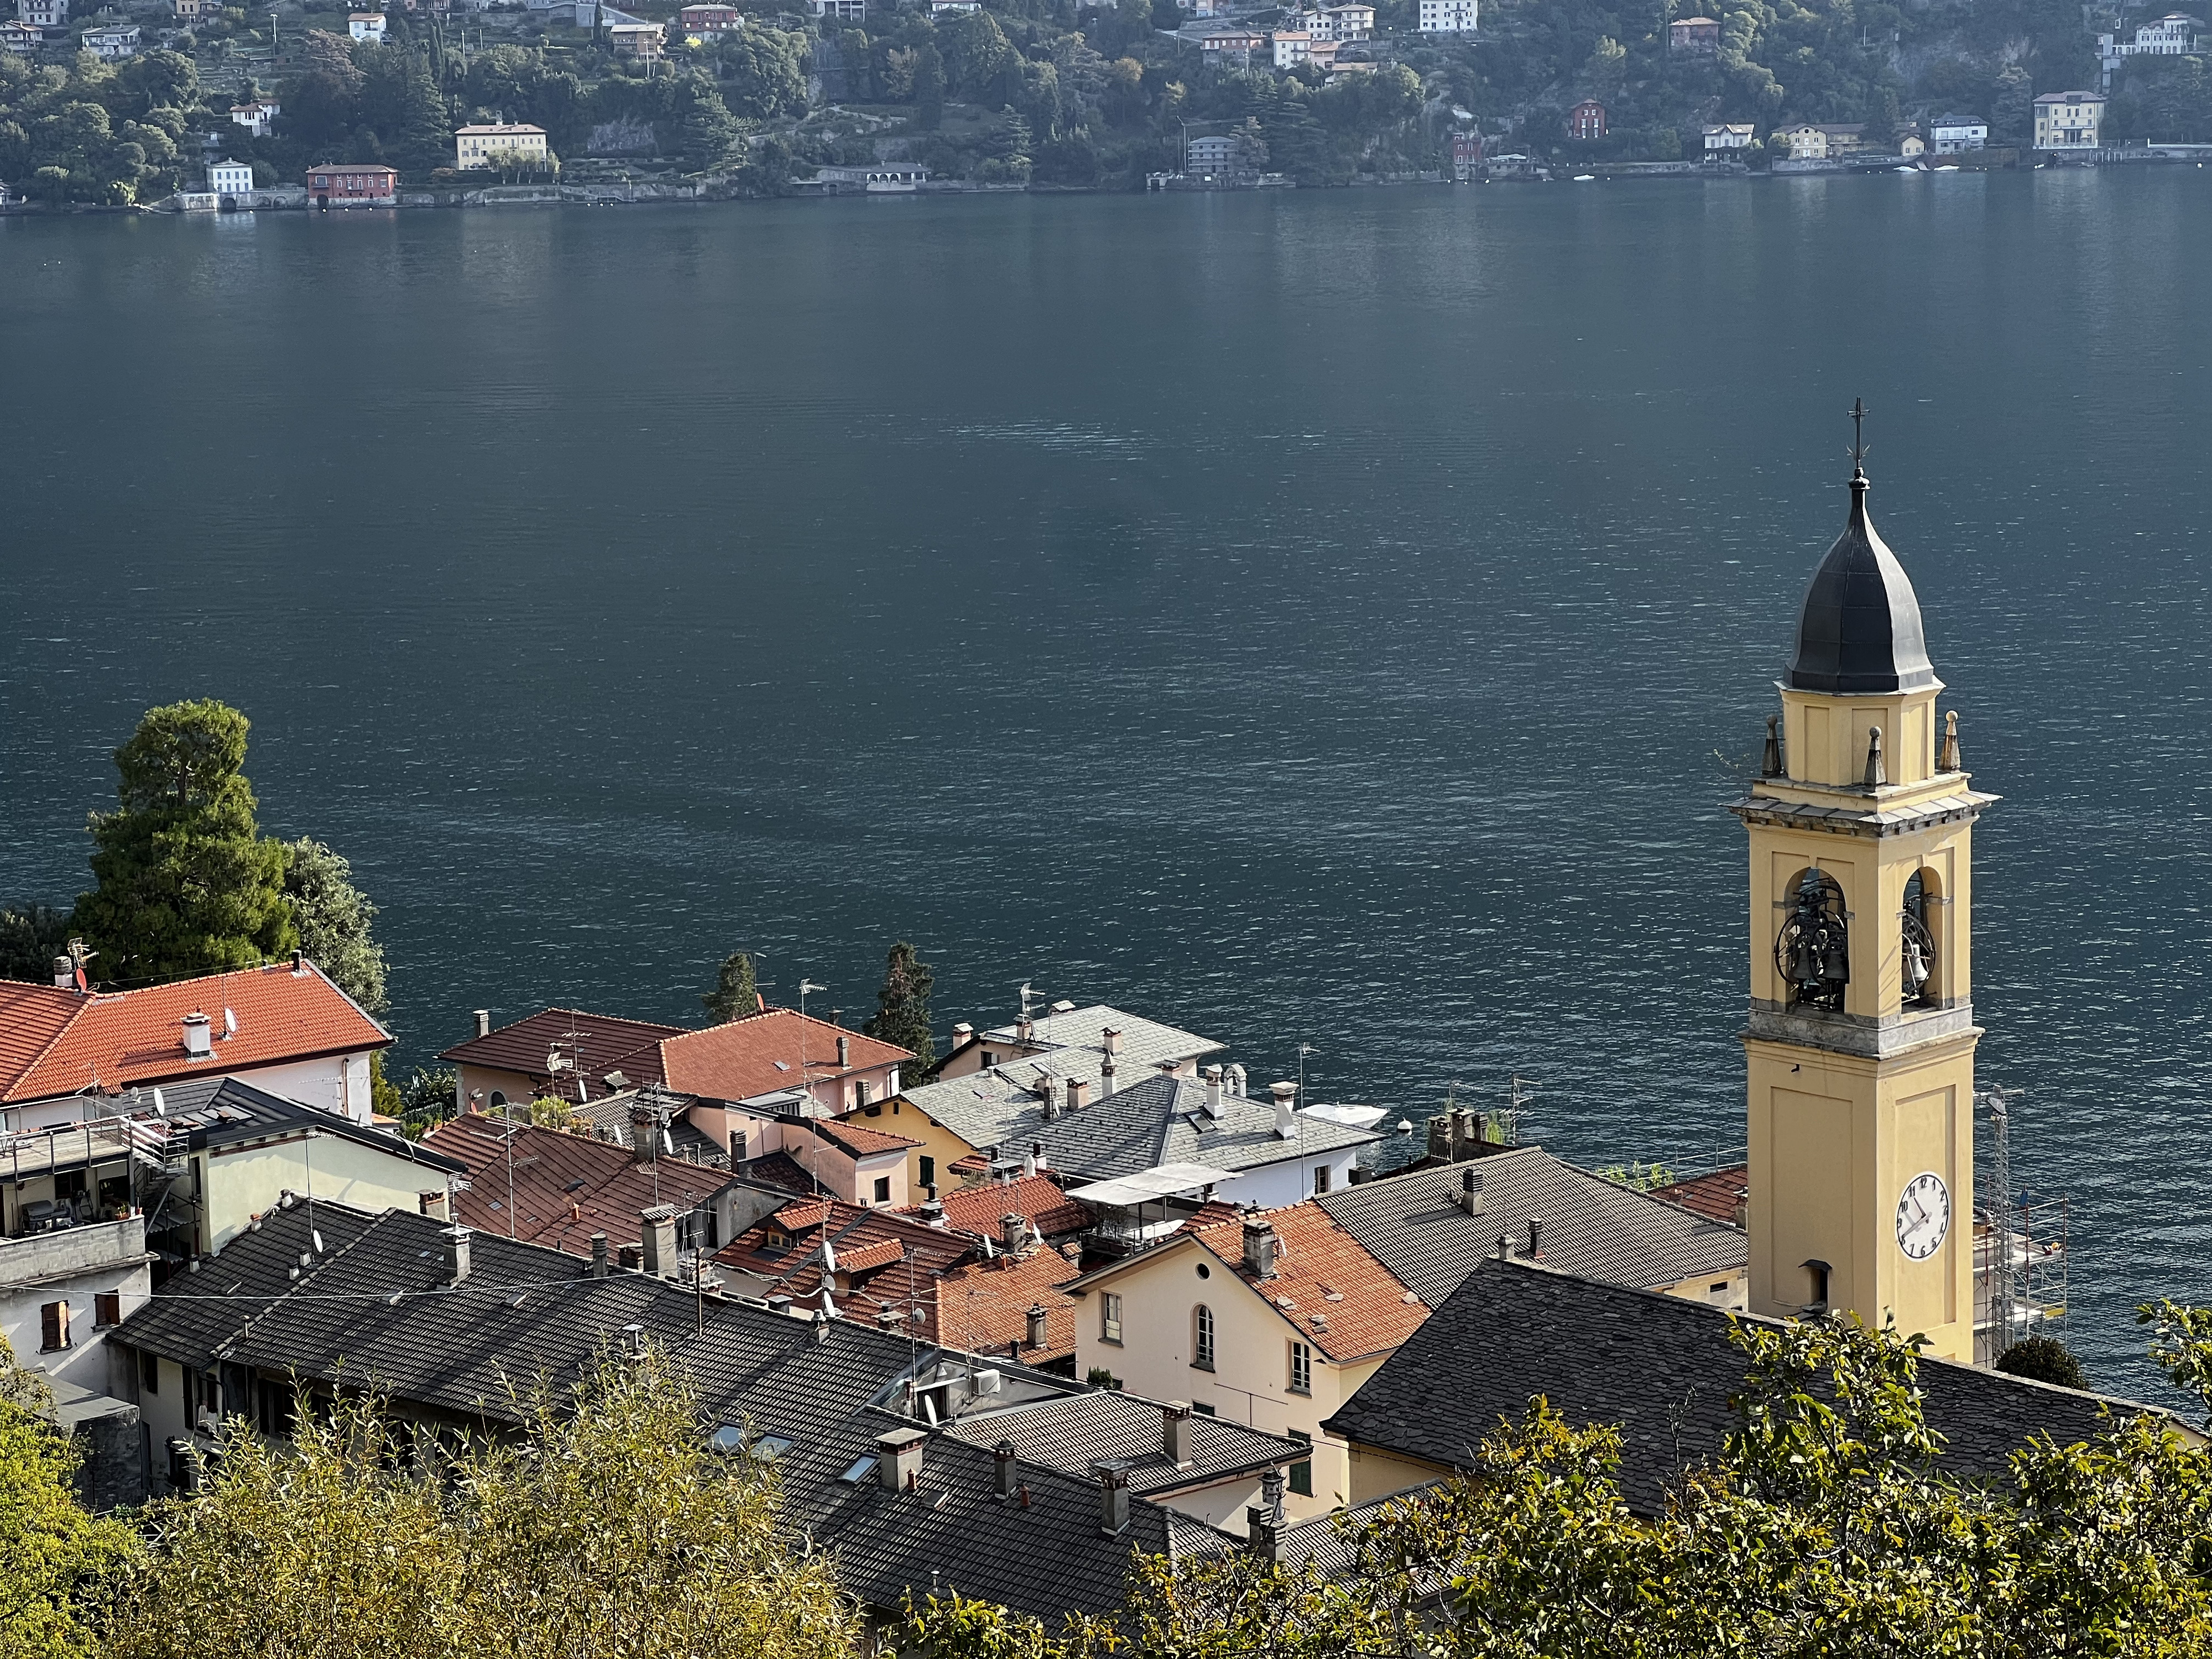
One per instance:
(1517, 1098)
(805, 1083)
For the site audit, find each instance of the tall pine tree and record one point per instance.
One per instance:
(187, 883)
(734, 996)
(902, 1009)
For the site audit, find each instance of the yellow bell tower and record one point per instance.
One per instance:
(1859, 1046)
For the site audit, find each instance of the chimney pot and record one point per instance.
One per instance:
(1004, 1469)
(484, 1022)
(657, 1239)
(1213, 1104)
(844, 1053)
(598, 1256)
(740, 1146)
(64, 974)
(780, 1303)
(1440, 1137)
(1036, 1320)
(199, 1037)
(1286, 1096)
(898, 1458)
(1469, 1197)
(1263, 1536)
(457, 1254)
(1010, 1234)
(1113, 1498)
(1110, 1039)
(1236, 1081)
(1505, 1246)
(1536, 1236)
(1079, 1093)
(299, 960)
(1260, 1248)
(962, 1032)
(1175, 1433)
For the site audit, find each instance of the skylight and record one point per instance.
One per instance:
(860, 1471)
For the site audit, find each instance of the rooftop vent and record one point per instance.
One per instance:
(1286, 1094)
(1005, 1471)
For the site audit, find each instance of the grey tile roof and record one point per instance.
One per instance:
(1592, 1226)
(1074, 1432)
(1145, 1043)
(1661, 1367)
(1151, 1121)
(526, 1312)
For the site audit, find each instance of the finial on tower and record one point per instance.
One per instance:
(1858, 437)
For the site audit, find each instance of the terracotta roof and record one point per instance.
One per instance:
(764, 1053)
(869, 1278)
(631, 1047)
(1344, 1301)
(1715, 1196)
(1036, 1199)
(861, 1143)
(55, 1042)
(985, 1305)
(566, 1187)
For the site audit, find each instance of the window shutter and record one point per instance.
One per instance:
(53, 1325)
(108, 1308)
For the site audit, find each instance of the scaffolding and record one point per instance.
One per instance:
(2023, 1260)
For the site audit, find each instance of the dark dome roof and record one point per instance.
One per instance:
(1860, 629)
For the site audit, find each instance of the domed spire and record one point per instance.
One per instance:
(1860, 627)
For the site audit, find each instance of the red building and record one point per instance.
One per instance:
(353, 185)
(711, 20)
(1586, 120)
(1467, 155)
(1696, 36)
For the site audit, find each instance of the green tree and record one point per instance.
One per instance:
(332, 917)
(53, 1556)
(31, 937)
(2044, 1358)
(929, 89)
(187, 883)
(608, 1528)
(426, 1099)
(767, 71)
(902, 1015)
(734, 996)
(2012, 109)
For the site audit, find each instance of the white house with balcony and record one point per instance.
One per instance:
(2174, 35)
(365, 25)
(2068, 121)
(1957, 135)
(233, 179)
(1449, 16)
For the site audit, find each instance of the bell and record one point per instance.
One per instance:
(1916, 966)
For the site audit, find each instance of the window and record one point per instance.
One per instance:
(1301, 1471)
(1202, 1338)
(883, 1189)
(1109, 1318)
(1321, 1179)
(860, 1469)
(53, 1327)
(1301, 1369)
(1203, 1411)
(108, 1308)
(929, 1172)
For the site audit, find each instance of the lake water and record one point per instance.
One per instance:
(1332, 617)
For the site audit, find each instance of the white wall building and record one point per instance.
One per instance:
(1449, 16)
(1292, 47)
(1720, 140)
(229, 178)
(112, 45)
(257, 117)
(43, 14)
(365, 25)
(1956, 135)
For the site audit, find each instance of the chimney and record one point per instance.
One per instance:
(1175, 1433)
(740, 1146)
(1010, 1234)
(898, 1458)
(1286, 1096)
(598, 1256)
(844, 1053)
(1440, 1137)
(1037, 1155)
(1214, 1108)
(656, 1237)
(1111, 1040)
(933, 1213)
(199, 1037)
(1258, 1247)
(1035, 1321)
(1024, 1029)
(1535, 1238)
(1113, 1498)
(644, 1134)
(962, 1032)
(780, 1303)
(1029, 1160)
(1079, 1093)
(64, 974)
(1469, 1196)
(1263, 1533)
(1049, 1088)
(484, 1022)
(633, 1341)
(1004, 1469)
(457, 1253)
(1505, 1246)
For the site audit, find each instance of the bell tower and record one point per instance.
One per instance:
(1860, 1045)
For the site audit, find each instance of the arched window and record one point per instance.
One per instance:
(1917, 944)
(1811, 953)
(1201, 1351)
(499, 1096)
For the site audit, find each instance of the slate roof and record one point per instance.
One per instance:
(1145, 1043)
(1153, 1121)
(526, 1312)
(1661, 1367)
(1592, 1226)
(55, 1042)
(1076, 1431)
(566, 1187)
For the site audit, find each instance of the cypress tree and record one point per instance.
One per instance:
(902, 1008)
(186, 883)
(734, 996)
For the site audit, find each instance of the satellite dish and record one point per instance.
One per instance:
(666, 1145)
(229, 1023)
(161, 1106)
(317, 1235)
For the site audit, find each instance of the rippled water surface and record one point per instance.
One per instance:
(1332, 617)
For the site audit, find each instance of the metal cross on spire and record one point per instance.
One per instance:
(1858, 435)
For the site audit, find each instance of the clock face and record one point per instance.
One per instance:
(1924, 1216)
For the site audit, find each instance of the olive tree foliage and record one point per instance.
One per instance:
(607, 1530)
(1826, 1525)
(54, 1557)
(332, 917)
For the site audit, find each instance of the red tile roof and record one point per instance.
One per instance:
(985, 1305)
(764, 1053)
(870, 1245)
(1344, 1301)
(56, 1041)
(631, 1047)
(566, 1187)
(1716, 1196)
(860, 1142)
(1036, 1198)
